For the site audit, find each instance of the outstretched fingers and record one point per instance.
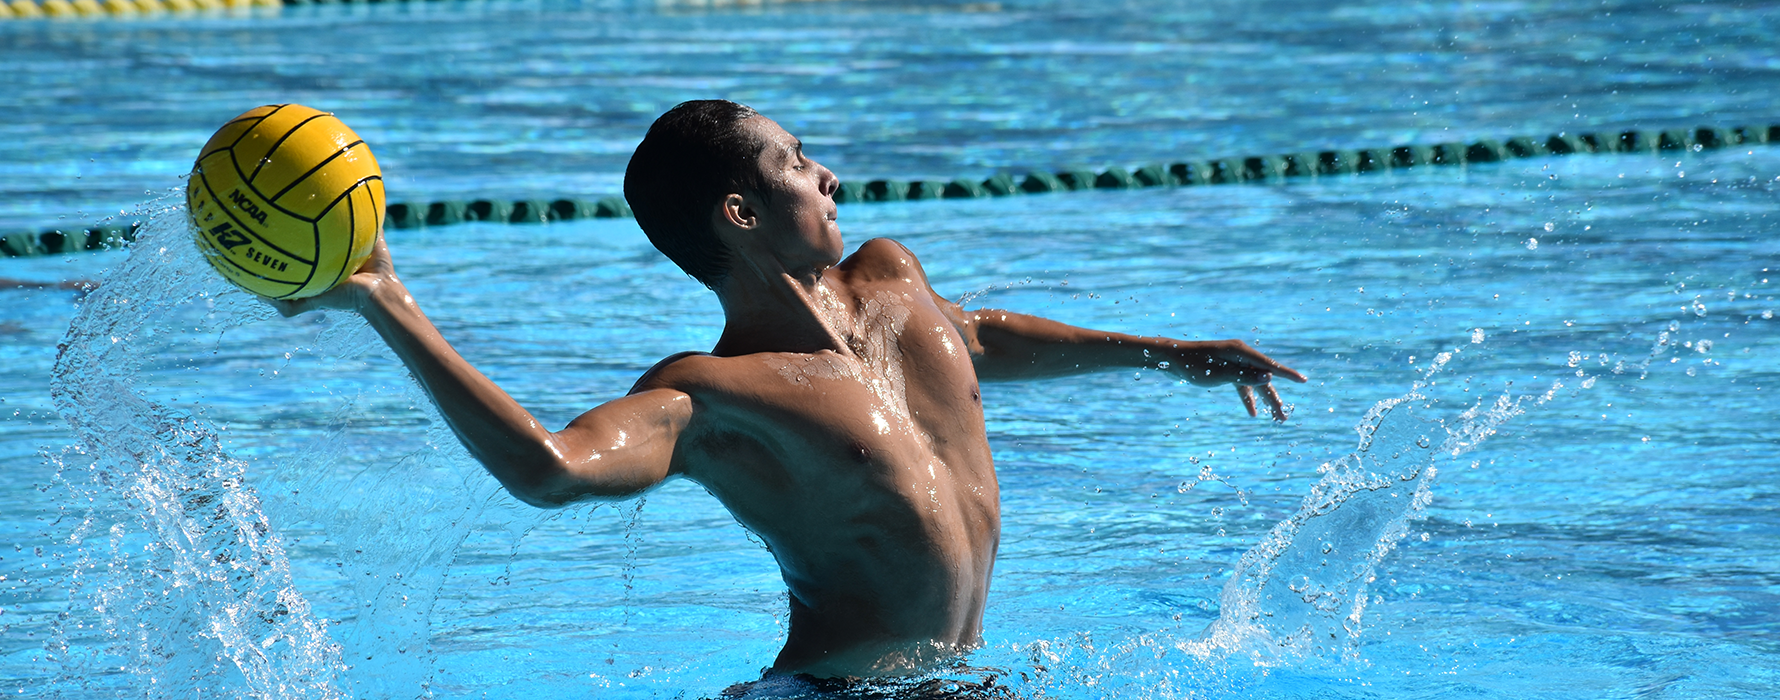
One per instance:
(1234, 362)
(1273, 403)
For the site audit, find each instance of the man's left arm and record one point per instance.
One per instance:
(1005, 346)
(1019, 346)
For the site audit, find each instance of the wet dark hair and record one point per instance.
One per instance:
(693, 156)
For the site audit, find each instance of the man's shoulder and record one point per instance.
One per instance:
(883, 258)
(703, 374)
(679, 371)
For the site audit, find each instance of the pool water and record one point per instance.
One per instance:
(205, 500)
(547, 98)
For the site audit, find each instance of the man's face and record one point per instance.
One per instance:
(798, 217)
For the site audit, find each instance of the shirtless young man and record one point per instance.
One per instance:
(838, 417)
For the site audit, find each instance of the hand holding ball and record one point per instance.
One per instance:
(286, 201)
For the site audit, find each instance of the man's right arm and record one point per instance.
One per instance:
(617, 449)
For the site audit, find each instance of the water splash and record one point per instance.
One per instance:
(178, 530)
(175, 553)
(1301, 593)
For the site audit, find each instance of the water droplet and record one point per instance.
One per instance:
(1532, 244)
(1549, 227)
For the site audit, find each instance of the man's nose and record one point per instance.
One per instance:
(827, 181)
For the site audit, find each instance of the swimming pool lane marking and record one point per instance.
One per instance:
(1222, 171)
(121, 9)
(181, 9)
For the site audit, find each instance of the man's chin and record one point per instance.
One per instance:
(837, 249)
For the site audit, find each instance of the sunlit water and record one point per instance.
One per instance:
(547, 98)
(1536, 458)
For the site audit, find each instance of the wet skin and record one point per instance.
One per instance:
(838, 418)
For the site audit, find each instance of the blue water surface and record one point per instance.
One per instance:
(249, 505)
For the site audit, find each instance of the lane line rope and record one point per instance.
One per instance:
(1222, 171)
(129, 9)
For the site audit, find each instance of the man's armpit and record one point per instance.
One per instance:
(962, 321)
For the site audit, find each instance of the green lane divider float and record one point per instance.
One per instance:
(1221, 171)
(57, 242)
(525, 211)
(1309, 164)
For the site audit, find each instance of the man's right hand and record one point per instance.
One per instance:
(377, 273)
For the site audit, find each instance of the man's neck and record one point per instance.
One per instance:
(783, 312)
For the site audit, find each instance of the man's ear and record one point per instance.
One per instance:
(737, 211)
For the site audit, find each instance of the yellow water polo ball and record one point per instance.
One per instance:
(286, 201)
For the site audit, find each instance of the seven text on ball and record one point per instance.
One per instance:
(267, 260)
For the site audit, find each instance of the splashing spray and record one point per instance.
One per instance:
(174, 551)
(1301, 592)
(178, 546)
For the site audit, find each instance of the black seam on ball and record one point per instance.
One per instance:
(318, 166)
(244, 227)
(220, 149)
(351, 225)
(345, 194)
(263, 117)
(267, 158)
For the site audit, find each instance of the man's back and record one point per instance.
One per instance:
(865, 470)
